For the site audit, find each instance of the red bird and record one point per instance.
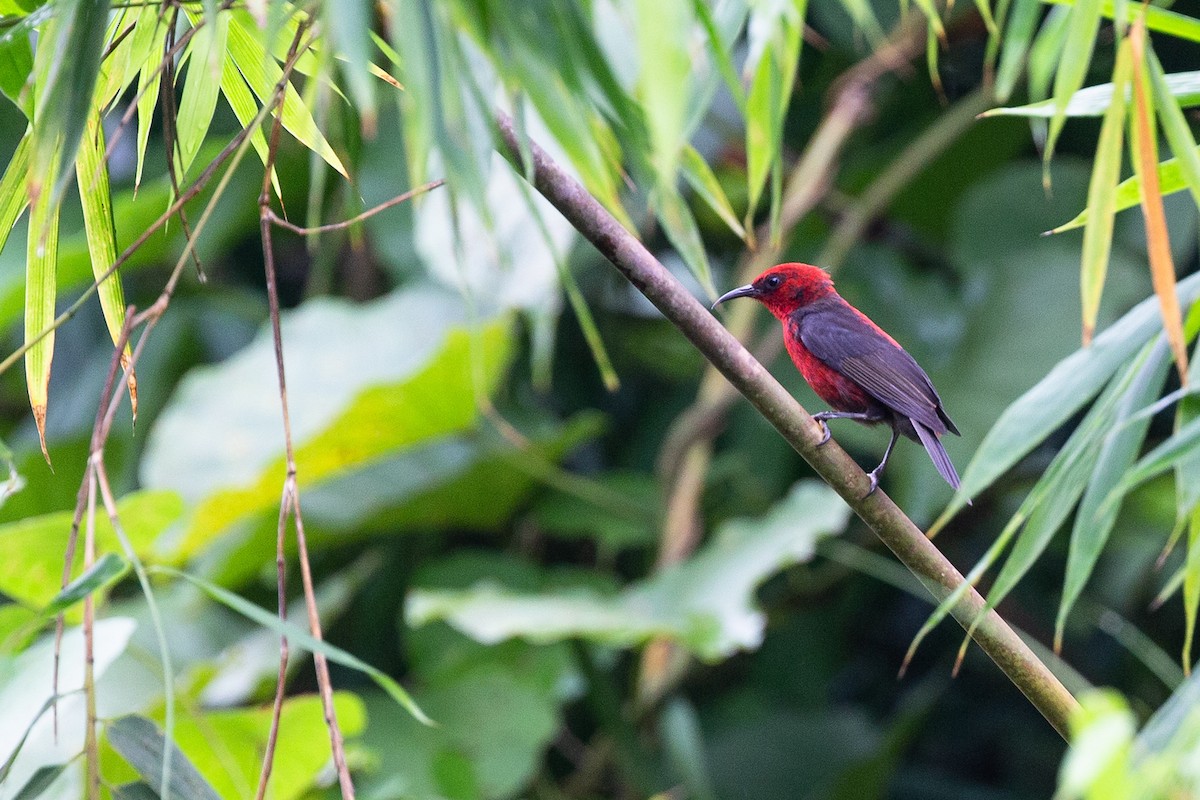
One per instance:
(850, 363)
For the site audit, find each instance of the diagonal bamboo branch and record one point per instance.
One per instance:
(779, 408)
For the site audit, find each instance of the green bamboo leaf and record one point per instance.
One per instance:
(16, 65)
(40, 294)
(1191, 588)
(770, 88)
(1072, 67)
(705, 184)
(152, 28)
(1015, 45)
(1094, 101)
(1046, 50)
(142, 744)
(298, 637)
(1102, 192)
(1187, 488)
(1182, 444)
(1042, 511)
(1073, 382)
(719, 51)
(1129, 192)
(13, 198)
(680, 227)
(107, 570)
(1121, 444)
(100, 229)
(67, 65)
(206, 51)
(237, 94)
(1158, 19)
(262, 74)
(1170, 103)
(664, 30)
(40, 781)
(349, 26)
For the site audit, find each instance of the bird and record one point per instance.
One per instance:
(851, 363)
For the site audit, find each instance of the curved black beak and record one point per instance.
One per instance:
(742, 291)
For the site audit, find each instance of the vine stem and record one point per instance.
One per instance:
(777, 406)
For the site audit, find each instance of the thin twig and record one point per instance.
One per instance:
(291, 490)
(778, 407)
(337, 226)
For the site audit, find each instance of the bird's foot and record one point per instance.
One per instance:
(873, 475)
(823, 428)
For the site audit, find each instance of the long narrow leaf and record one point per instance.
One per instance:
(301, 638)
(153, 27)
(1094, 521)
(1144, 141)
(349, 25)
(705, 184)
(1129, 192)
(1102, 197)
(1183, 87)
(1174, 123)
(1191, 589)
(92, 175)
(1015, 46)
(1072, 383)
(1160, 20)
(207, 49)
(40, 294)
(1073, 66)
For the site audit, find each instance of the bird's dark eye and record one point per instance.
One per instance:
(773, 281)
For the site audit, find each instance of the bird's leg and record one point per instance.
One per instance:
(875, 473)
(860, 416)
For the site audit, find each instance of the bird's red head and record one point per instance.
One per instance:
(785, 288)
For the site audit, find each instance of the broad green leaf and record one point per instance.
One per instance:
(262, 73)
(1018, 37)
(705, 184)
(1071, 384)
(67, 64)
(1094, 101)
(706, 603)
(1072, 67)
(1120, 448)
(100, 229)
(27, 739)
(299, 637)
(349, 26)
(142, 745)
(350, 403)
(1160, 20)
(1175, 124)
(1129, 192)
(16, 65)
(207, 54)
(41, 291)
(31, 549)
(225, 745)
(1102, 196)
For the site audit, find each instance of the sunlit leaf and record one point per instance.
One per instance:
(108, 569)
(1094, 101)
(151, 28)
(1015, 44)
(142, 744)
(207, 52)
(1102, 191)
(100, 230)
(41, 290)
(664, 31)
(1129, 192)
(1174, 123)
(1160, 20)
(702, 180)
(16, 64)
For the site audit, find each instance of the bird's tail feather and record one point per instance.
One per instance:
(941, 459)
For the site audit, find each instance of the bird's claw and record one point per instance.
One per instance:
(874, 477)
(825, 434)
